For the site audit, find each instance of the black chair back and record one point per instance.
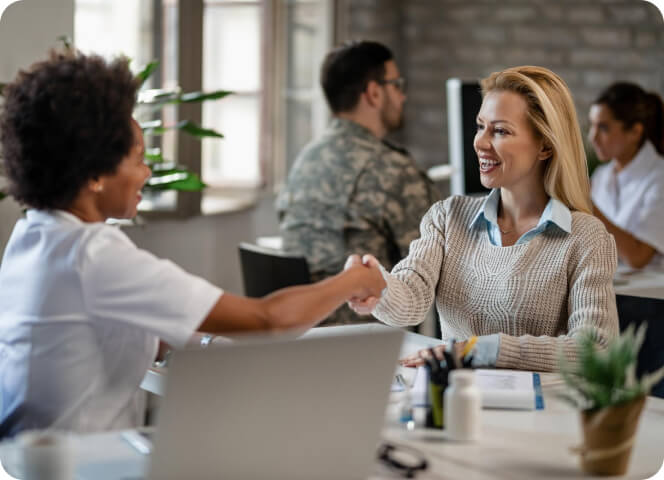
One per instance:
(637, 310)
(265, 270)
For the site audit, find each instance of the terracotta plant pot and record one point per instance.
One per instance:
(609, 435)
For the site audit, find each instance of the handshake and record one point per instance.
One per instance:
(367, 298)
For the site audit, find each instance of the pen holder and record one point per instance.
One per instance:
(436, 390)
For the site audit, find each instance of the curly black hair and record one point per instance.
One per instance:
(66, 120)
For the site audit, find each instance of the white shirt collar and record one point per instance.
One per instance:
(639, 167)
(51, 216)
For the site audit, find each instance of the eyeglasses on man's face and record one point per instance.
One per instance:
(399, 83)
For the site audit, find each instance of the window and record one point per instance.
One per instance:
(268, 52)
(120, 27)
(232, 38)
(128, 27)
(308, 34)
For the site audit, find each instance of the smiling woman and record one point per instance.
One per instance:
(117, 194)
(527, 269)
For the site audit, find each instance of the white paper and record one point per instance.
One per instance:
(506, 389)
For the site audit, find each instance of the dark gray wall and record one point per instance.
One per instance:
(590, 43)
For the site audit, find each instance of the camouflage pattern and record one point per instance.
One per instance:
(350, 192)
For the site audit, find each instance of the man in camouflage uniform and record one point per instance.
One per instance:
(350, 191)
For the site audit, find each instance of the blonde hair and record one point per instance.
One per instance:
(553, 116)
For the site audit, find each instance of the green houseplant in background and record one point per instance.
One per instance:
(603, 385)
(166, 173)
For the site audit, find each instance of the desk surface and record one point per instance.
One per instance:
(646, 283)
(514, 444)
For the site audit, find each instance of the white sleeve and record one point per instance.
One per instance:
(122, 283)
(599, 188)
(650, 227)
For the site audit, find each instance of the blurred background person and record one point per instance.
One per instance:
(627, 134)
(351, 191)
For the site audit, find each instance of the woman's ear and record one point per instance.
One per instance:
(546, 151)
(636, 131)
(96, 185)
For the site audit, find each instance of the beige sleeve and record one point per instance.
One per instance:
(411, 286)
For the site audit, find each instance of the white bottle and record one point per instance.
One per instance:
(462, 407)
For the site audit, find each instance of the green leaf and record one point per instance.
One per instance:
(160, 97)
(650, 379)
(153, 155)
(155, 127)
(605, 377)
(157, 96)
(66, 41)
(176, 179)
(2, 88)
(193, 97)
(165, 166)
(196, 130)
(144, 74)
(2, 195)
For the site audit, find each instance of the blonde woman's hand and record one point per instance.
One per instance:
(363, 306)
(419, 358)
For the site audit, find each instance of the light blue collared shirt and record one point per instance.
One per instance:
(555, 215)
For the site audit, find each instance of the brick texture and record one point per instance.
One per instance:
(589, 43)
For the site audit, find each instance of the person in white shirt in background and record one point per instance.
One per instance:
(82, 309)
(627, 134)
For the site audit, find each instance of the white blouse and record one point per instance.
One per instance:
(633, 198)
(81, 312)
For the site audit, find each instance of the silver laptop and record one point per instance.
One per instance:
(286, 409)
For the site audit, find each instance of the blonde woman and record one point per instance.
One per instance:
(527, 268)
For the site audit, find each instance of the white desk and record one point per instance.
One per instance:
(514, 444)
(640, 284)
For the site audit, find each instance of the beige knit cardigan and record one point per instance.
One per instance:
(539, 295)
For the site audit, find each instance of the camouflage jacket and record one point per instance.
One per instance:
(349, 192)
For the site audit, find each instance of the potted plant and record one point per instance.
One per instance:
(603, 385)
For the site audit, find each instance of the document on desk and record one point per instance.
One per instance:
(510, 389)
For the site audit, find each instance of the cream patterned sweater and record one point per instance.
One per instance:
(538, 295)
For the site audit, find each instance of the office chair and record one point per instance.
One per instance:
(265, 270)
(636, 310)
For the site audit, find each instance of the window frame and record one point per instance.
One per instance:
(272, 123)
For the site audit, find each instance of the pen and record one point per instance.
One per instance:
(469, 346)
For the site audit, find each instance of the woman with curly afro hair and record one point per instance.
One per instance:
(82, 308)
